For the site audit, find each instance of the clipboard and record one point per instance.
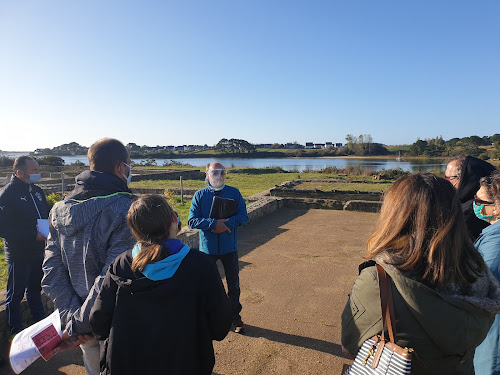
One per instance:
(223, 208)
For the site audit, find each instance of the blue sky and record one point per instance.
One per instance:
(193, 72)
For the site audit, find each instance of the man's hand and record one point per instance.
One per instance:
(40, 237)
(220, 227)
(67, 344)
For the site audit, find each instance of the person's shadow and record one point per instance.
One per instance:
(300, 341)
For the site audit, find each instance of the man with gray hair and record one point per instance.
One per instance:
(218, 237)
(464, 174)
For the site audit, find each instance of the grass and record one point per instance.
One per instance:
(4, 272)
(329, 186)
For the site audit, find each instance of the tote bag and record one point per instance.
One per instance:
(376, 355)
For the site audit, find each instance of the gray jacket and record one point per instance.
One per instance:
(85, 237)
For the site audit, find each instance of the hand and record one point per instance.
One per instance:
(67, 344)
(346, 353)
(40, 237)
(220, 227)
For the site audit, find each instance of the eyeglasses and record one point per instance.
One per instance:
(480, 201)
(450, 177)
(217, 172)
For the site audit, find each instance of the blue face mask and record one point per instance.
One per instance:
(478, 211)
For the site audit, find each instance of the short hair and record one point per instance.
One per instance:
(105, 154)
(459, 166)
(149, 218)
(20, 163)
(492, 186)
(214, 162)
(421, 229)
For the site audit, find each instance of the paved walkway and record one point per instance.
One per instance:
(297, 267)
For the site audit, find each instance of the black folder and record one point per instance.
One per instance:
(223, 208)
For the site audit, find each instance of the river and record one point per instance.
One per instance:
(288, 164)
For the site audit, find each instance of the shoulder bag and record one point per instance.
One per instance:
(376, 355)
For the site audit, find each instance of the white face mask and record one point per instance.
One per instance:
(216, 178)
(33, 178)
(129, 176)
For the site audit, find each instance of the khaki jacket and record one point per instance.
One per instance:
(443, 329)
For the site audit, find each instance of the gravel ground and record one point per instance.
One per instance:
(297, 267)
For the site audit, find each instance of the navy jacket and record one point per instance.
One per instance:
(212, 243)
(18, 220)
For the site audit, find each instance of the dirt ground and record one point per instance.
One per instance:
(297, 267)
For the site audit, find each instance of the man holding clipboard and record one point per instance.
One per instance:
(217, 211)
(23, 226)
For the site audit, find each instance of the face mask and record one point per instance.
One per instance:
(216, 180)
(478, 211)
(33, 178)
(129, 177)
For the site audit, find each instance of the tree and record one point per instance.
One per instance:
(54, 161)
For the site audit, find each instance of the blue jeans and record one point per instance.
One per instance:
(23, 277)
(232, 271)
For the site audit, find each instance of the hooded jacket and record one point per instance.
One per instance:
(443, 328)
(88, 230)
(487, 358)
(163, 323)
(472, 171)
(18, 220)
(216, 243)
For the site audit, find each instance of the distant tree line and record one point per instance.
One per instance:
(483, 147)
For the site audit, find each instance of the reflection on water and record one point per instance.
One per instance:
(299, 164)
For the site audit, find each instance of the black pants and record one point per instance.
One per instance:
(232, 271)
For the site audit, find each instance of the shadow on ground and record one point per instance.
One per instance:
(300, 341)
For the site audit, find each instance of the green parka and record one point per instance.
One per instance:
(443, 329)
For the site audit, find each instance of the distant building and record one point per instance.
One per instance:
(328, 145)
(338, 145)
(309, 145)
(319, 145)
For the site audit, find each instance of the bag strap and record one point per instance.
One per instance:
(386, 303)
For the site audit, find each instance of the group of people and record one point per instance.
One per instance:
(129, 292)
(438, 239)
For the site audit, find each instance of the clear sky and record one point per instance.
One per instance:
(172, 72)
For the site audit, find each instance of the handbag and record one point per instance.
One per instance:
(376, 355)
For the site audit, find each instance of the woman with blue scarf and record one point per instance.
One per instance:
(487, 207)
(161, 304)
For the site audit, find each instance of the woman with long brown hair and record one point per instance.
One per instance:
(161, 304)
(444, 296)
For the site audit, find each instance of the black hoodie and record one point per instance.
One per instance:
(472, 171)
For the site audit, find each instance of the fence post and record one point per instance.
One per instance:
(62, 184)
(182, 191)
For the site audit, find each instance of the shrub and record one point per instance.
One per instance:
(52, 199)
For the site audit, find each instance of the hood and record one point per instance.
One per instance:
(70, 216)
(90, 184)
(440, 313)
(472, 171)
(165, 268)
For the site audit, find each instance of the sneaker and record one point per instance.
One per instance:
(238, 326)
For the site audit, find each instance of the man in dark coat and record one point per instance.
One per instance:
(464, 173)
(22, 203)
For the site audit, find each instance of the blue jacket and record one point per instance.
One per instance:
(487, 357)
(212, 243)
(18, 220)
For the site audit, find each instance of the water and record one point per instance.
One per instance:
(299, 164)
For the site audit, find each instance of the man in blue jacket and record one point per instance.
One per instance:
(218, 237)
(21, 204)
